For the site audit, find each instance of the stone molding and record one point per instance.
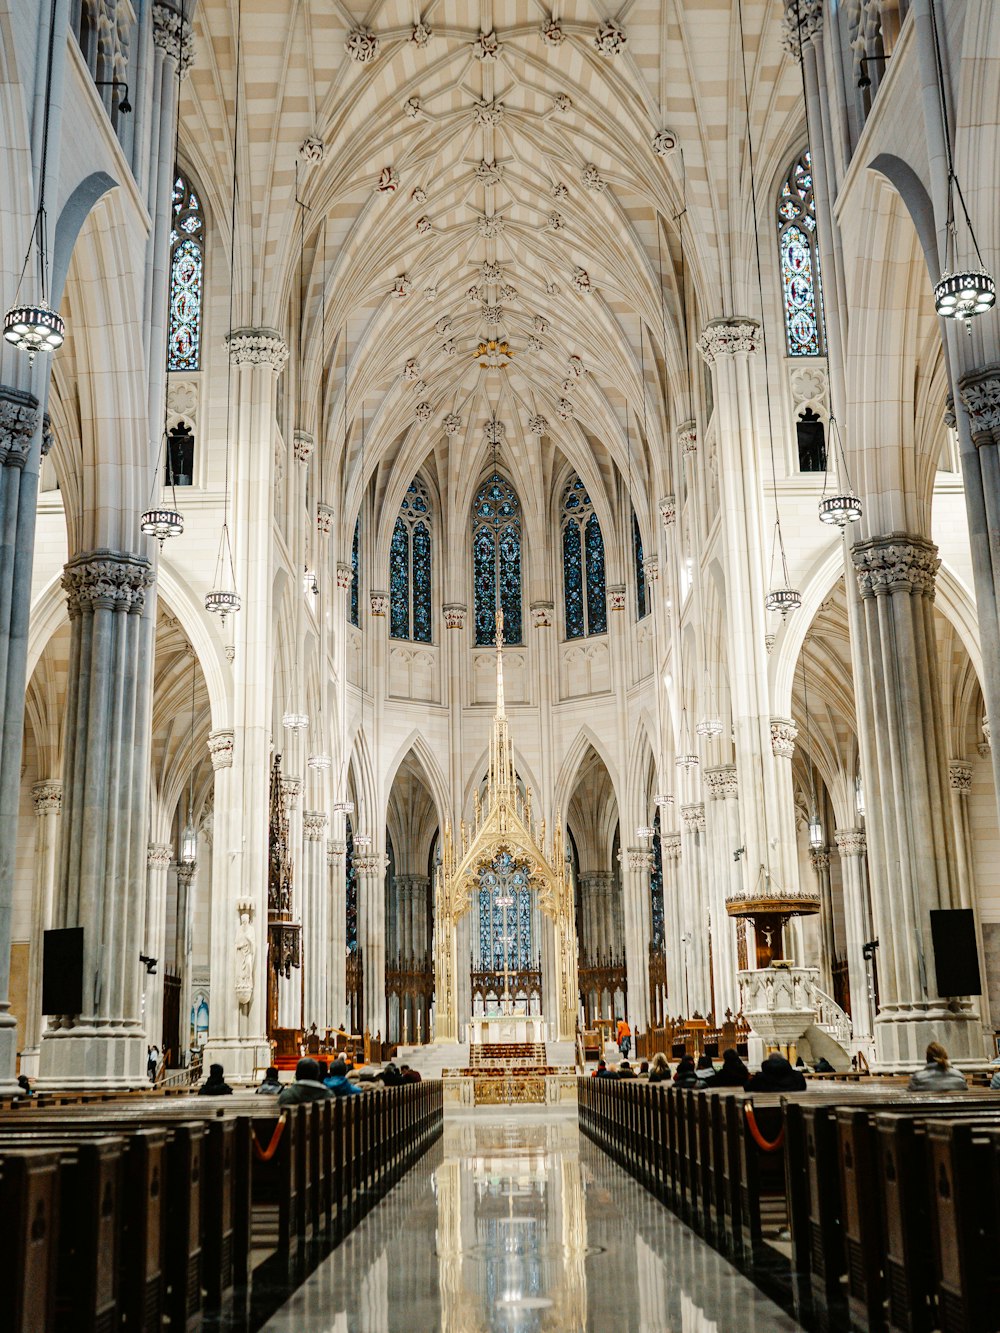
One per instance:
(186, 871)
(370, 863)
(173, 35)
(896, 563)
(345, 573)
(820, 858)
(616, 596)
(610, 38)
(335, 848)
(671, 846)
(597, 881)
(314, 824)
(542, 614)
(303, 445)
(687, 438)
(668, 510)
(721, 782)
(47, 797)
(783, 735)
(980, 393)
(379, 603)
(801, 24)
(106, 580)
(324, 519)
(220, 747)
(291, 790)
(693, 817)
(638, 860)
(257, 347)
(851, 842)
(728, 337)
(18, 422)
(362, 45)
(960, 776)
(159, 855)
(651, 565)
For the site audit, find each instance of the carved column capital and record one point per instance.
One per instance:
(18, 423)
(47, 797)
(693, 817)
(850, 842)
(110, 580)
(651, 565)
(820, 858)
(257, 347)
(897, 563)
(336, 850)
(783, 735)
(687, 438)
(454, 615)
(728, 337)
(344, 574)
(324, 519)
(668, 510)
(303, 445)
(220, 747)
(670, 846)
(638, 860)
(291, 790)
(980, 393)
(314, 824)
(370, 863)
(172, 34)
(721, 782)
(186, 871)
(616, 596)
(802, 23)
(960, 776)
(379, 603)
(159, 855)
(542, 614)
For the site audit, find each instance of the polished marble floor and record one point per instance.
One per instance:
(515, 1223)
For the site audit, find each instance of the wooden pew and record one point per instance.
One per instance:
(29, 1234)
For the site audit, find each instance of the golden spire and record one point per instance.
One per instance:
(499, 639)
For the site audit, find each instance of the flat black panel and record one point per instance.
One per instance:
(62, 971)
(956, 958)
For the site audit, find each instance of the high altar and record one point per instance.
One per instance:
(503, 824)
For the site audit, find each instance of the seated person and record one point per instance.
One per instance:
(823, 1066)
(659, 1070)
(776, 1075)
(409, 1075)
(307, 1086)
(24, 1084)
(390, 1076)
(644, 1069)
(272, 1083)
(733, 1074)
(938, 1075)
(685, 1076)
(337, 1082)
(625, 1070)
(215, 1085)
(602, 1071)
(705, 1071)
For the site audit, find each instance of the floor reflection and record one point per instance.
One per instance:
(517, 1224)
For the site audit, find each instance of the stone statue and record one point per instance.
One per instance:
(246, 952)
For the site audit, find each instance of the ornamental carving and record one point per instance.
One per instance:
(551, 33)
(728, 337)
(344, 574)
(450, 348)
(564, 408)
(537, 425)
(489, 173)
(616, 597)
(721, 782)
(412, 107)
(158, 854)
(18, 423)
(422, 411)
(487, 113)
(560, 190)
(379, 602)
(687, 438)
(554, 221)
(486, 47)
(494, 431)
(670, 846)
(491, 224)
(802, 21)
(451, 424)
(324, 519)
(388, 181)
(311, 149)
(418, 194)
(960, 776)
(411, 371)
(985, 724)
(370, 863)
(593, 180)
(302, 446)
(335, 848)
(314, 825)
(820, 859)
(562, 102)
(507, 293)
(492, 314)
(575, 366)
(534, 344)
(783, 734)
(257, 347)
(610, 38)
(173, 35)
(693, 817)
(106, 580)
(652, 567)
(48, 439)
(668, 510)
(850, 842)
(897, 563)
(490, 272)
(542, 614)
(540, 324)
(638, 860)
(401, 288)
(581, 281)
(291, 790)
(47, 798)
(220, 748)
(981, 395)
(664, 142)
(245, 953)
(421, 34)
(454, 615)
(362, 45)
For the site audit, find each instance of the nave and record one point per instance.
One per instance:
(512, 1223)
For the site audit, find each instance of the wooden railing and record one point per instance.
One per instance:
(694, 1036)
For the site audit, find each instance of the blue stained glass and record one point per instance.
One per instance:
(399, 582)
(641, 607)
(799, 258)
(496, 560)
(355, 571)
(573, 581)
(421, 583)
(504, 915)
(656, 886)
(351, 891)
(187, 279)
(597, 601)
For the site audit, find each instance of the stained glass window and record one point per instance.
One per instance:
(801, 284)
(505, 915)
(355, 571)
(496, 559)
(187, 277)
(584, 592)
(410, 568)
(656, 886)
(641, 602)
(351, 891)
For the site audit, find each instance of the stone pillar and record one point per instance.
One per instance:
(371, 936)
(238, 1016)
(852, 845)
(22, 444)
(636, 864)
(724, 879)
(911, 837)
(673, 921)
(187, 874)
(47, 798)
(315, 903)
(158, 858)
(290, 988)
(102, 864)
(695, 918)
(595, 888)
(784, 734)
(960, 782)
(336, 854)
(819, 858)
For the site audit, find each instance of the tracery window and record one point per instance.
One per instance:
(584, 592)
(410, 568)
(801, 283)
(355, 571)
(351, 890)
(505, 916)
(656, 886)
(187, 277)
(496, 559)
(641, 600)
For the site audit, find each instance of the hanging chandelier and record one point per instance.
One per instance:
(222, 602)
(965, 295)
(783, 600)
(839, 510)
(319, 762)
(645, 831)
(161, 524)
(293, 721)
(661, 800)
(709, 726)
(362, 839)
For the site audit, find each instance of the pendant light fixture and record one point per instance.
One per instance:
(781, 596)
(35, 327)
(845, 507)
(686, 758)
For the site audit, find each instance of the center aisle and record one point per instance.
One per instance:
(516, 1223)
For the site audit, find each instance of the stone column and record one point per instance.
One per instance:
(158, 858)
(960, 782)
(47, 798)
(673, 925)
(315, 903)
(187, 874)
(636, 864)
(336, 853)
(290, 988)
(911, 837)
(724, 879)
(237, 1021)
(784, 734)
(852, 845)
(371, 936)
(102, 869)
(819, 858)
(695, 914)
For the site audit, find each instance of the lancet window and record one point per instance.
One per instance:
(584, 591)
(505, 916)
(656, 886)
(187, 277)
(496, 559)
(355, 571)
(410, 568)
(798, 254)
(351, 891)
(641, 599)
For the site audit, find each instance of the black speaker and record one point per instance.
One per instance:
(956, 958)
(62, 971)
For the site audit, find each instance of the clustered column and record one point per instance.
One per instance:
(723, 823)
(336, 854)
(158, 858)
(695, 933)
(370, 870)
(315, 903)
(636, 864)
(852, 846)
(47, 798)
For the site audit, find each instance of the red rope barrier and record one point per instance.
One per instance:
(757, 1136)
(265, 1154)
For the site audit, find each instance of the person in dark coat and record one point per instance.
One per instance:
(390, 1076)
(625, 1070)
(410, 1075)
(602, 1071)
(823, 1066)
(215, 1085)
(659, 1070)
(307, 1086)
(705, 1072)
(271, 1087)
(684, 1075)
(733, 1074)
(337, 1082)
(776, 1075)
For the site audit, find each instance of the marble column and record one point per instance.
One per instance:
(598, 933)
(960, 782)
(47, 799)
(22, 444)
(784, 734)
(187, 875)
(290, 988)
(336, 854)
(158, 858)
(371, 935)
(636, 864)
(724, 879)
(852, 846)
(237, 1021)
(673, 921)
(819, 858)
(101, 883)
(695, 917)
(911, 836)
(315, 903)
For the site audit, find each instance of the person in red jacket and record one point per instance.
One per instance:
(624, 1037)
